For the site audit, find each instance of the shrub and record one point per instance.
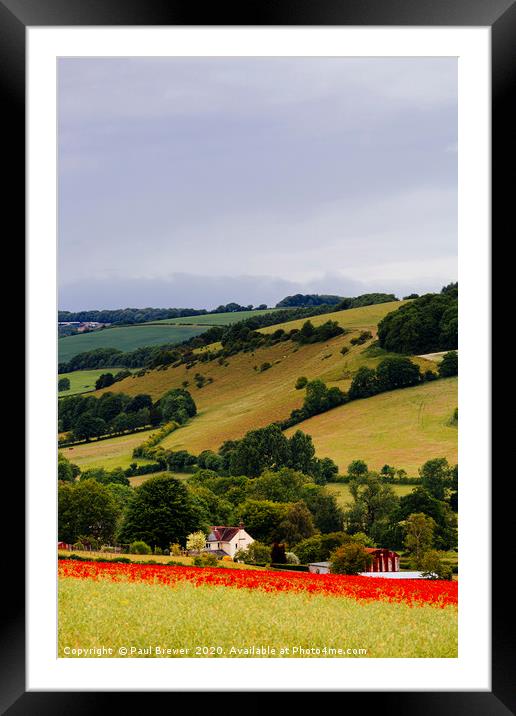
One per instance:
(158, 550)
(362, 338)
(265, 366)
(175, 550)
(291, 558)
(63, 384)
(351, 558)
(196, 541)
(434, 567)
(344, 350)
(449, 365)
(206, 559)
(278, 554)
(301, 382)
(256, 553)
(140, 547)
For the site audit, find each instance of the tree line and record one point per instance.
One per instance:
(83, 417)
(281, 505)
(339, 303)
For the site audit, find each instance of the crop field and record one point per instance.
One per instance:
(295, 614)
(126, 338)
(213, 319)
(82, 381)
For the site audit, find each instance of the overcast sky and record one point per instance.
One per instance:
(195, 182)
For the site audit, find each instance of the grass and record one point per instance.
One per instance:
(140, 479)
(94, 614)
(366, 317)
(402, 428)
(82, 381)
(111, 453)
(126, 338)
(160, 559)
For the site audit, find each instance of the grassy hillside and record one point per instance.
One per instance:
(366, 317)
(115, 452)
(82, 381)
(403, 428)
(127, 338)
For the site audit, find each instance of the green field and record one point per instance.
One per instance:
(101, 613)
(111, 453)
(126, 338)
(81, 381)
(214, 319)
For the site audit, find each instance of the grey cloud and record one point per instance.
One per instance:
(294, 168)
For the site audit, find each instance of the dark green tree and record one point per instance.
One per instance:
(177, 404)
(265, 448)
(85, 508)
(364, 384)
(63, 384)
(302, 453)
(261, 518)
(161, 513)
(297, 524)
(436, 477)
(397, 372)
(350, 558)
(449, 365)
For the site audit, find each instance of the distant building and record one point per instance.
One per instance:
(226, 541)
(319, 567)
(384, 560)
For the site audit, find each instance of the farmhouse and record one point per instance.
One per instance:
(227, 540)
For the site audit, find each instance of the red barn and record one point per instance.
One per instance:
(383, 560)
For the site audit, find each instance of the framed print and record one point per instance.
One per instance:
(253, 228)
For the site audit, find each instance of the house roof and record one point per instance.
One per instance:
(372, 550)
(222, 534)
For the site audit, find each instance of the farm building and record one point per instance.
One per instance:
(228, 540)
(319, 567)
(384, 560)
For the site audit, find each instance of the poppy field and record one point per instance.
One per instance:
(159, 610)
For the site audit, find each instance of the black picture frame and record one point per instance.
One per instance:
(500, 16)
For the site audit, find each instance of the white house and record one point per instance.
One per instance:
(227, 540)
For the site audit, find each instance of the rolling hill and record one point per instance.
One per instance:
(152, 333)
(403, 428)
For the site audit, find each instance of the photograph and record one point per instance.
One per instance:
(257, 339)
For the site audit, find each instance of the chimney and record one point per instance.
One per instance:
(241, 525)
